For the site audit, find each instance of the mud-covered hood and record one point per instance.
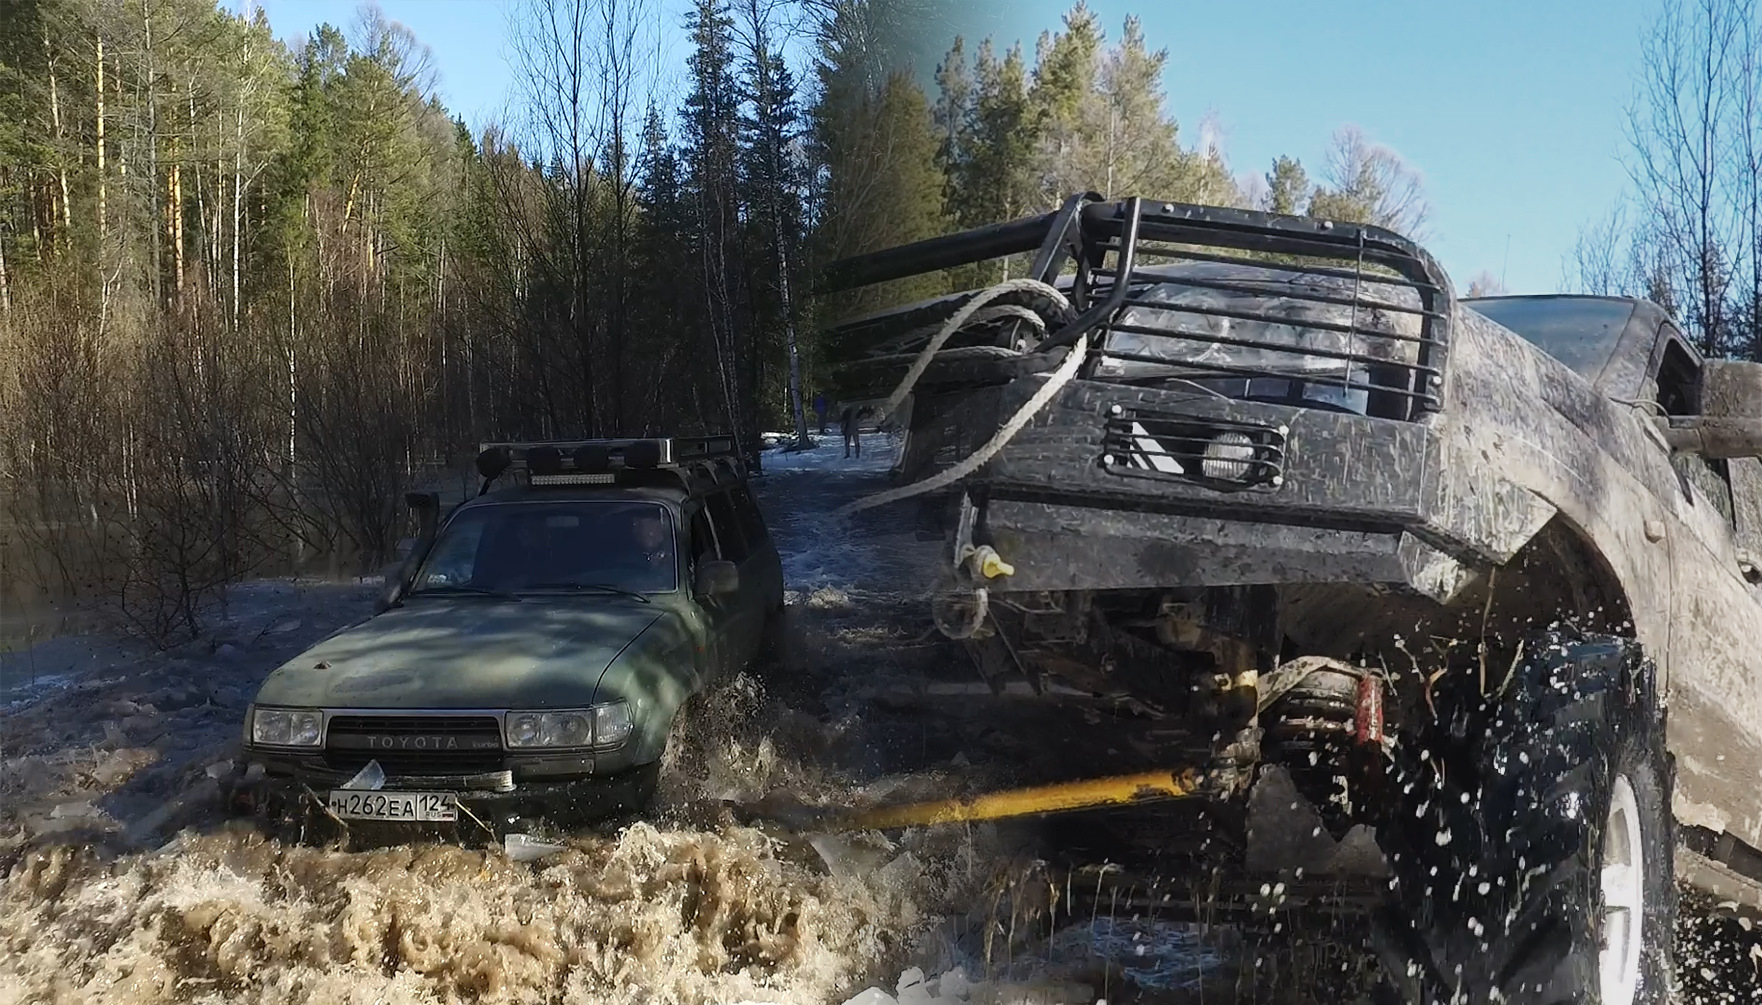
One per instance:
(465, 653)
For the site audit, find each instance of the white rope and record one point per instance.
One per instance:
(1058, 379)
(954, 324)
(981, 606)
(991, 313)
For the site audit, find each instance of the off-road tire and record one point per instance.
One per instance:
(1495, 835)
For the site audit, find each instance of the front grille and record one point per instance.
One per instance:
(415, 744)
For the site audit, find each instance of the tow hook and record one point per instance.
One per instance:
(986, 562)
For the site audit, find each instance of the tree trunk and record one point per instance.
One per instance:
(177, 227)
(153, 159)
(60, 139)
(5, 291)
(238, 174)
(103, 210)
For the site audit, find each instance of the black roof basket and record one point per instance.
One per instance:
(609, 461)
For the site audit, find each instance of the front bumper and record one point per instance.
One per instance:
(557, 789)
(1346, 497)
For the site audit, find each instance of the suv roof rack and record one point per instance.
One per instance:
(604, 461)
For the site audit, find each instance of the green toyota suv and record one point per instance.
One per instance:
(530, 656)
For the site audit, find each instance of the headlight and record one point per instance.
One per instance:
(600, 726)
(287, 727)
(611, 724)
(1229, 457)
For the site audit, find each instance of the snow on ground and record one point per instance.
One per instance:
(826, 454)
(870, 551)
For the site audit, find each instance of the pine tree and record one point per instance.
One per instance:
(1287, 187)
(772, 186)
(953, 109)
(886, 191)
(678, 339)
(995, 179)
(1065, 104)
(711, 123)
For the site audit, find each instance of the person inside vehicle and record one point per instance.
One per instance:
(646, 559)
(520, 554)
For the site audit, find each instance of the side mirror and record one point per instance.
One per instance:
(1731, 389)
(717, 579)
(426, 506)
(1730, 423)
(1712, 437)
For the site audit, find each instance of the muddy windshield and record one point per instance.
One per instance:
(1580, 332)
(542, 547)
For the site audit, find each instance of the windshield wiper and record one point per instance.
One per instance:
(591, 586)
(458, 588)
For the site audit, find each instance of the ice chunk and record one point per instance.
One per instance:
(953, 984)
(911, 986)
(872, 996)
(219, 769)
(526, 848)
(852, 855)
(896, 874)
(370, 777)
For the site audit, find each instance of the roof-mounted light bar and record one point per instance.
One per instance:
(591, 462)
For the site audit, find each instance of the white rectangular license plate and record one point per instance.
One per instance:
(423, 807)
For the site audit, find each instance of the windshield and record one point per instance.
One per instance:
(540, 547)
(1580, 332)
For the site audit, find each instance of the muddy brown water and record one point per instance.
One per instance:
(126, 883)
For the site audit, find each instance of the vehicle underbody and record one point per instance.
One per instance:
(1181, 587)
(1199, 469)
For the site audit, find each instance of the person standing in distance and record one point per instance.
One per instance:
(820, 409)
(851, 439)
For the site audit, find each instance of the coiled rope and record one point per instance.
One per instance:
(958, 321)
(1054, 382)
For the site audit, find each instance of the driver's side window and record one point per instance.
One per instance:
(703, 540)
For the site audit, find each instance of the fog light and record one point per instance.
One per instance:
(1229, 457)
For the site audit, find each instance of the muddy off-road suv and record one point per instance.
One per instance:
(529, 658)
(1481, 574)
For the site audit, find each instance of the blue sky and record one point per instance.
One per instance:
(468, 40)
(1513, 112)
